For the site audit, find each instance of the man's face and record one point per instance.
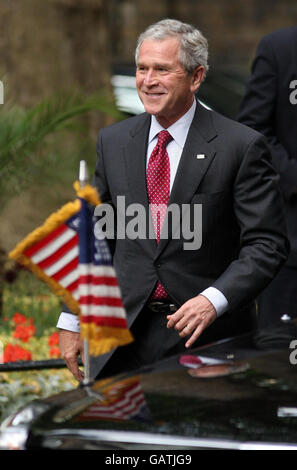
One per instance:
(164, 87)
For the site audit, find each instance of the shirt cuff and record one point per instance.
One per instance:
(69, 321)
(217, 299)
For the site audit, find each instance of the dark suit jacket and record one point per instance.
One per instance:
(243, 231)
(270, 107)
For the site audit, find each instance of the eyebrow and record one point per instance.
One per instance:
(155, 64)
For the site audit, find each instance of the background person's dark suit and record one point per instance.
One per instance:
(243, 240)
(269, 106)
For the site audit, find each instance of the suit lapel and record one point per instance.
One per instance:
(135, 157)
(199, 150)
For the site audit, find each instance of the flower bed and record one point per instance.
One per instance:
(27, 332)
(22, 344)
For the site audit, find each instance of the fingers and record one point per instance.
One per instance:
(71, 347)
(183, 320)
(192, 318)
(197, 332)
(174, 318)
(72, 364)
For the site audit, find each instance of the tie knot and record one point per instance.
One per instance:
(164, 138)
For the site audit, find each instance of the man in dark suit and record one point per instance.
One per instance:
(270, 107)
(180, 293)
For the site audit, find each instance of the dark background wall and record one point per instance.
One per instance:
(54, 44)
(233, 27)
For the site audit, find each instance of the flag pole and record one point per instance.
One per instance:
(83, 179)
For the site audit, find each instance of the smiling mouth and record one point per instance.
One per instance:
(153, 95)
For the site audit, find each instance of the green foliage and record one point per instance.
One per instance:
(26, 139)
(32, 298)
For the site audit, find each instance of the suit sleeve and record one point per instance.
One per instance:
(258, 110)
(259, 212)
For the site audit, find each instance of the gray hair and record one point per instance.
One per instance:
(193, 49)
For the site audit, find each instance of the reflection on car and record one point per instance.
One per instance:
(237, 393)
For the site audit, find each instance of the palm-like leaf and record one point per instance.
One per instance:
(23, 131)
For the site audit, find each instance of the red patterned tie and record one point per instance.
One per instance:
(158, 187)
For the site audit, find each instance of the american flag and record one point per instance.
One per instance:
(101, 306)
(122, 401)
(51, 252)
(65, 254)
(56, 255)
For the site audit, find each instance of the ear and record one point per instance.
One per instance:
(197, 78)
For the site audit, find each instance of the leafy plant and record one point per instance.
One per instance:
(25, 146)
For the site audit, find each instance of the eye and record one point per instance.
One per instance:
(140, 68)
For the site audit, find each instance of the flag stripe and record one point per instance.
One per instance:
(73, 287)
(101, 415)
(130, 409)
(47, 239)
(88, 268)
(66, 270)
(99, 291)
(68, 280)
(54, 245)
(92, 300)
(126, 402)
(97, 280)
(127, 406)
(121, 398)
(124, 412)
(59, 253)
(104, 310)
(63, 262)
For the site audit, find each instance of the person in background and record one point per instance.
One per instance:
(270, 107)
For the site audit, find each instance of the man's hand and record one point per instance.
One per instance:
(71, 346)
(192, 318)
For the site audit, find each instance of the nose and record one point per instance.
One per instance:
(150, 78)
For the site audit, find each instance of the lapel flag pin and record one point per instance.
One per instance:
(200, 156)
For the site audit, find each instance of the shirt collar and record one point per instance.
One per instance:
(178, 130)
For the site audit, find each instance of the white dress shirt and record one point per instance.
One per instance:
(178, 131)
